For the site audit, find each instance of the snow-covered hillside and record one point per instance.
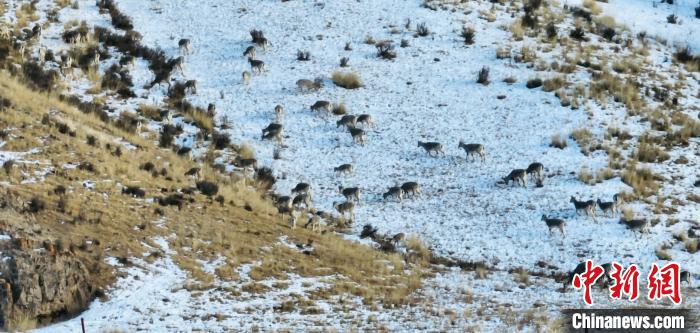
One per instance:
(428, 93)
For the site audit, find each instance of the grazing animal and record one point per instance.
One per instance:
(607, 273)
(347, 121)
(302, 188)
(179, 64)
(272, 131)
(358, 135)
(473, 149)
(398, 238)
(257, 66)
(685, 277)
(606, 207)
(194, 173)
(246, 77)
(321, 105)
(211, 110)
(36, 31)
(184, 46)
(639, 225)
(284, 204)
(365, 120)
(302, 199)
(279, 112)
(249, 52)
(554, 223)
(588, 207)
(351, 193)
(343, 169)
(345, 207)
(516, 176)
(535, 171)
(246, 162)
(411, 187)
(432, 147)
(394, 192)
(134, 191)
(580, 269)
(191, 86)
(262, 43)
(314, 222)
(293, 220)
(306, 85)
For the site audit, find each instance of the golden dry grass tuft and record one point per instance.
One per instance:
(347, 80)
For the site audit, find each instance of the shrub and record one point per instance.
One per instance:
(483, 77)
(35, 205)
(551, 31)
(558, 141)
(422, 30)
(554, 83)
(647, 152)
(643, 181)
(468, 34)
(167, 135)
(127, 121)
(347, 80)
(220, 140)
(344, 61)
(534, 83)
(697, 12)
(339, 109)
(385, 50)
(91, 140)
(39, 77)
(585, 176)
(405, 43)
(208, 188)
(578, 34)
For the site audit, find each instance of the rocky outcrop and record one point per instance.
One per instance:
(40, 284)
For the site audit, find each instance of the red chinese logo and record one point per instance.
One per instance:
(665, 282)
(587, 279)
(625, 282)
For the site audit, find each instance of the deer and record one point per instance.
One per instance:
(580, 269)
(608, 207)
(345, 207)
(535, 171)
(639, 225)
(249, 52)
(245, 77)
(314, 222)
(473, 149)
(321, 105)
(302, 188)
(178, 64)
(307, 85)
(394, 192)
(398, 238)
(343, 169)
(272, 131)
(301, 199)
(554, 223)
(432, 147)
(358, 135)
(191, 86)
(257, 66)
(411, 187)
(685, 277)
(347, 120)
(284, 204)
(351, 193)
(246, 163)
(184, 46)
(194, 173)
(366, 120)
(588, 207)
(516, 176)
(279, 112)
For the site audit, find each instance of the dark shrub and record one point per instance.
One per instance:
(578, 34)
(422, 30)
(148, 166)
(59, 190)
(92, 140)
(38, 77)
(134, 191)
(344, 61)
(35, 205)
(303, 55)
(551, 31)
(220, 140)
(208, 188)
(264, 178)
(468, 35)
(672, 19)
(483, 76)
(608, 33)
(86, 166)
(385, 50)
(534, 83)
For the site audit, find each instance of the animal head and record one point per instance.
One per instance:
(572, 199)
(544, 217)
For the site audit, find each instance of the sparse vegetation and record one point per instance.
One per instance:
(347, 80)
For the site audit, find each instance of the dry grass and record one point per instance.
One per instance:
(642, 180)
(347, 80)
(554, 83)
(558, 141)
(236, 229)
(593, 6)
(586, 177)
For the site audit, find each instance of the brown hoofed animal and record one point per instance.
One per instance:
(554, 223)
(321, 105)
(365, 120)
(432, 147)
(638, 225)
(587, 207)
(351, 193)
(394, 192)
(516, 176)
(184, 45)
(411, 187)
(301, 199)
(279, 112)
(249, 52)
(347, 120)
(358, 135)
(536, 171)
(191, 86)
(257, 66)
(343, 169)
(345, 208)
(306, 85)
(272, 131)
(473, 149)
(302, 188)
(194, 173)
(398, 238)
(246, 77)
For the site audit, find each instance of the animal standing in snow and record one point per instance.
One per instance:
(554, 223)
(473, 149)
(516, 176)
(343, 169)
(184, 46)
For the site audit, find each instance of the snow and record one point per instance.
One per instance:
(428, 93)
